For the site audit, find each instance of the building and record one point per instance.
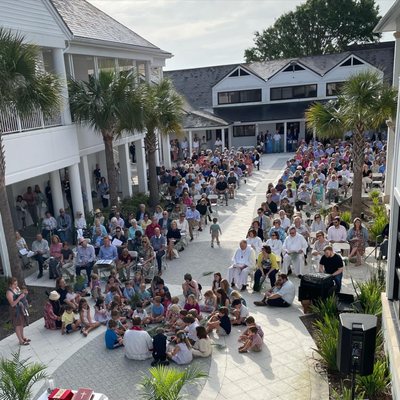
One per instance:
(272, 96)
(391, 299)
(75, 39)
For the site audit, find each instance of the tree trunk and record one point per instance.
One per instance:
(151, 148)
(358, 162)
(111, 170)
(8, 225)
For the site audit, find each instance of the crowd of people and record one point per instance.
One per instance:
(281, 240)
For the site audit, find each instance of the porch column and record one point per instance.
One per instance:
(166, 150)
(102, 164)
(141, 165)
(257, 131)
(285, 137)
(190, 144)
(59, 68)
(76, 188)
(56, 191)
(125, 168)
(147, 71)
(223, 138)
(158, 150)
(5, 260)
(86, 182)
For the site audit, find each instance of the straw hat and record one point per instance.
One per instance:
(97, 211)
(54, 295)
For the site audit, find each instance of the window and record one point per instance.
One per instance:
(244, 130)
(293, 92)
(208, 134)
(333, 88)
(238, 72)
(293, 67)
(351, 62)
(239, 96)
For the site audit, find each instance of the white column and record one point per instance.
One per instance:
(5, 260)
(59, 68)
(56, 191)
(166, 149)
(76, 188)
(285, 137)
(257, 131)
(190, 144)
(141, 165)
(86, 182)
(158, 151)
(147, 73)
(125, 170)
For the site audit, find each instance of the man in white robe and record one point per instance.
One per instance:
(294, 248)
(242, 263)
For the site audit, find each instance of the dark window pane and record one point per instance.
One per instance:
(346, 63)
(357, 62)
(235, 73)
(276, 94)
(244, 130)
(243, 72)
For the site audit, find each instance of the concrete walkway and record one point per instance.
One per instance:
(283, 370)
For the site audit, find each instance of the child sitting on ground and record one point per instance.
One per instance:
(174, 301)
(129, 291)
(113, 283)
(137, 281)
(141, 313)
(181, 354)
(210, 302)
(250, 321)
(121, 326)
(202, 347)
(72, 298)
(101, 313)
(159, 348)
(190, 328)
(220, 321)
(239, 312)
(69, 322)
(95, 286)
(236, 295)
(112, 339)
(144, 295)
(254, 341)
(157, 310)
(192, 303)
(172, 315)
(110, 296)
(179, 324)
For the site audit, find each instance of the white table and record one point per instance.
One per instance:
(96, 396)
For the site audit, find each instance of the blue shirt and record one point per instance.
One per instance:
(157, 242)
(111, 339)
(129, 293)
(108, 253)
(157, 310)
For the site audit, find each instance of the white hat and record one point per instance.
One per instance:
(54, 295)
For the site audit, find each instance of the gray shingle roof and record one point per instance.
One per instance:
(201, 119)
(196, 83)
(86, 21)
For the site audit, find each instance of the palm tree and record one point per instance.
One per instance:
(101, 103)
(25, 88)
(364, 103)
(166, 383)
(161, 112)
(18, 376)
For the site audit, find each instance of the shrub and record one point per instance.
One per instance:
(327, 333)
(346, 394)
(3, 289)
(376, 384)
(328, 307)
(346, 217)
(131, 205)
(377, 225)
(370, 295)
(374, 194)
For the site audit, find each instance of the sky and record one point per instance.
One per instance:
(202, 32)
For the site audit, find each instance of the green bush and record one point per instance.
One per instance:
(346, 217)
(370, 295)
(3, 289)
(131, 205)
(328, 307)
(374, 194)
(378, 224)
(376, 384)
(345, 394)
(327, 333)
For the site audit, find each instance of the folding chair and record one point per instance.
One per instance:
(343, 249)
(213, 201)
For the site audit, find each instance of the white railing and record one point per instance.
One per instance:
(12, 122)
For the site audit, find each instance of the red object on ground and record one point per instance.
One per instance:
(83, 394)
(61, 394)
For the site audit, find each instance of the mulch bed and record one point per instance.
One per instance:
(37, 298)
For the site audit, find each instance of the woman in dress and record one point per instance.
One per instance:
(41, 203)
(267, 267)
(147, 254)
(24, 219)
(52, 311)
(173, 238)
(357, 236)
(18, 310)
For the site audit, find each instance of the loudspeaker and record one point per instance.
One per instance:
(356, 343)
(315, 286)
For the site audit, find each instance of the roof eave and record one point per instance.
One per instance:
(388, 19)
(123, 46)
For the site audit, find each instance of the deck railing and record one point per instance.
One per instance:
(12, 122)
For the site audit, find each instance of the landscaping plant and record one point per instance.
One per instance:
(328, 307)
(377, 383)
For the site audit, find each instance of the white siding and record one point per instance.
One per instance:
(293, 78)
(340, 74)
(34, 20)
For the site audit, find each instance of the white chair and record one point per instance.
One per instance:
(343, 249)
(213, 201)
(196, 198)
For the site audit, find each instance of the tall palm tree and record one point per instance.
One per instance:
(364, 103)
(166, 383)
(17, 377)
(161, 112)
(101, 103)
(24, 87)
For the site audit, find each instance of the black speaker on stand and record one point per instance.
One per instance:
(356, 345)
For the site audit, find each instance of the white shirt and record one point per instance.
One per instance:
(295, 243)
(332, 184)
(338, 234)
(255, 243)
(244, 257)
(285, 222)
(276, 246)
(138, 345)
(287, 292)
(182, 226)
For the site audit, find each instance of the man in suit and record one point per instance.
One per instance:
(164, 222)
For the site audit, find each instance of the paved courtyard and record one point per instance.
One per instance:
(285, 369)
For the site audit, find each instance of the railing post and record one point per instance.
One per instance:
(41, 118)
(18, 121)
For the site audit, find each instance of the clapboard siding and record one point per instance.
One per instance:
(33, 19)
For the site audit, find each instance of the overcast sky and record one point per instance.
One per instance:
(202, 32)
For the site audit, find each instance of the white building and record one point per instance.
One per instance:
(391, 299)
(76, 39)
(272, 96)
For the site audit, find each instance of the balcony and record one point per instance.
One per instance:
(12, 122)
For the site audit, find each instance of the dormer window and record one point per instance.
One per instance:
(238, 72)
(352, 61)
(293, 67)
